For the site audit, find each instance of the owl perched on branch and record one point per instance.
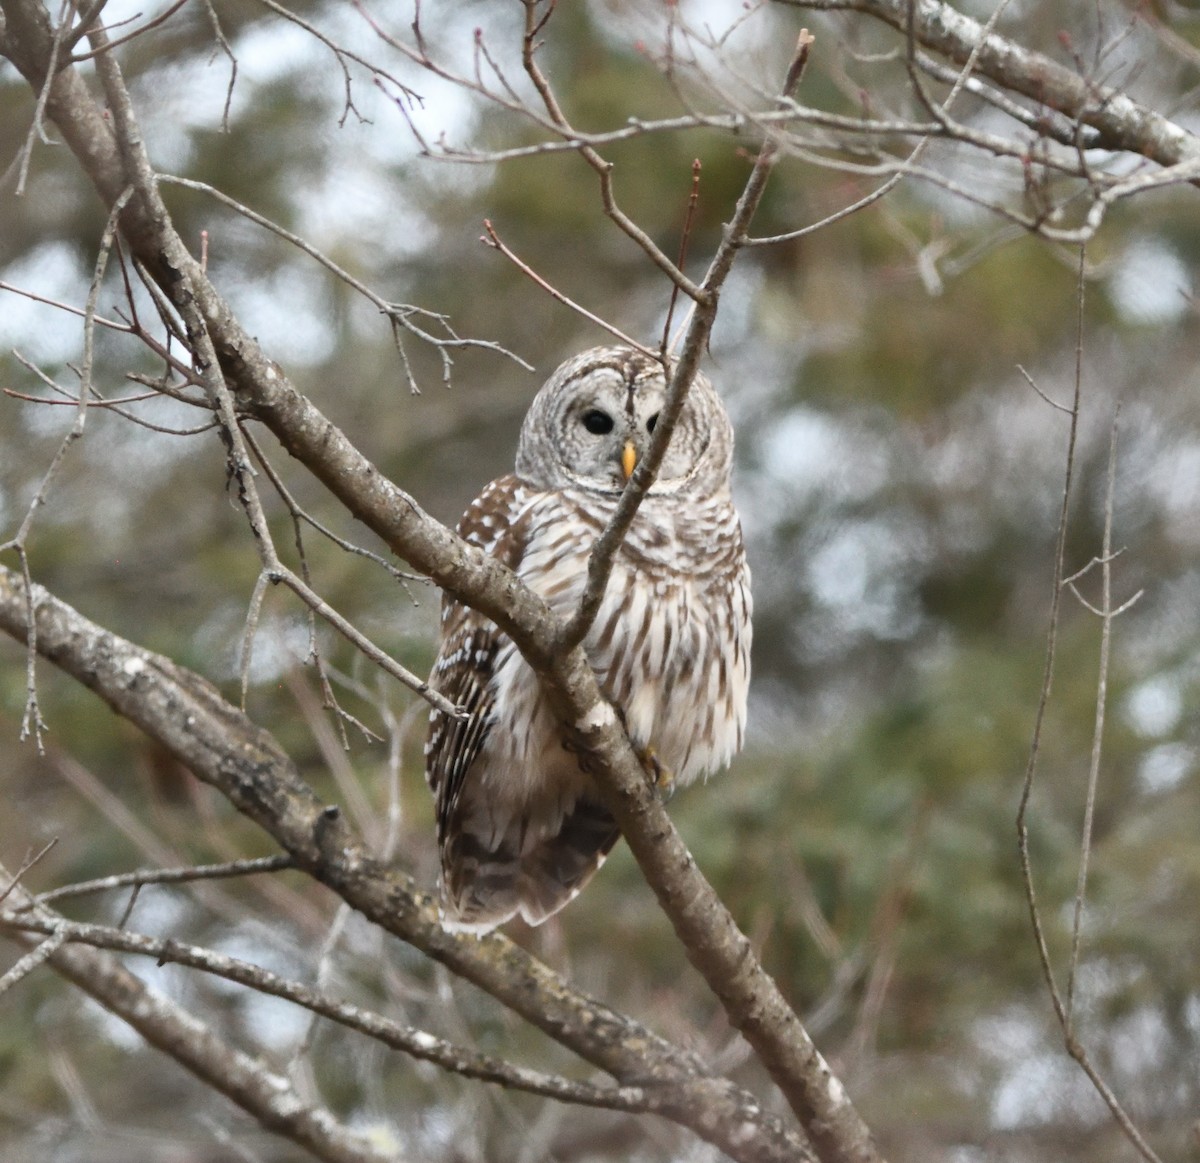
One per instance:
(522, 827)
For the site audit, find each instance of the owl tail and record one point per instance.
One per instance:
(482, 887)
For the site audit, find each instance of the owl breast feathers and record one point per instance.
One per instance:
(521, 827)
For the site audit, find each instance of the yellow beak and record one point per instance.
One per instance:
(628, 459)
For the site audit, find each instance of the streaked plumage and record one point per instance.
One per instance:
(521, 826)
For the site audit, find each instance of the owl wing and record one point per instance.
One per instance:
(494, 863)
(466, 661)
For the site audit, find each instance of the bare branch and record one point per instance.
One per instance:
(38, 955)
(32, 722)
(263, 1094)
(401, 315)
(492, 239)
(35, 297)
(277, 572)
(221, 746)
(1120, 122)
(415, 1043)
(1063, 1008)
(603, 168)
(1093, 781)
(37, 126)
(144, 876)
(86, 19)
(29, 862)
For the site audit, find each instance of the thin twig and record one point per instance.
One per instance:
(413, 1042)
(603, 168)
(699, 327)
(1061, 1009)
(113, 324)
(1053, 403)
(40, 953)
(37, 126)
(185, 875)
(685, 236)
(1048, 671)
(153, 22)
(276, 571)
(492, 239)
(32, 721)
(26, 865)
(302, 514)
(1089, 810)
(399, 314)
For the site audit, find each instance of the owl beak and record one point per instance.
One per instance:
(628, 459)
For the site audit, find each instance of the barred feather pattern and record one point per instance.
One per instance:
(521, 824)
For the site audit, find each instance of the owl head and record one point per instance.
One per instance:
(592, 421)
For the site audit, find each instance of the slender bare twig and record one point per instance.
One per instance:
(185, 875)
(1043, 703)
(32, 722)
(38, 955)
(29, 862)
(98, 401)
(603, 168)
(112, 324)
(492, 239)
(37, 126)
(1062, 1007)
(603, 555)
(1089, 810)
(154, 22)
(1069, 411)
(301, 514)
(885, 929)
(416, 1043)
(685, 236)
(275, 571)
(346, 778)
(73, 402)
(402, 315)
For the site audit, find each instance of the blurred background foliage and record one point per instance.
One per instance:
(900, 482)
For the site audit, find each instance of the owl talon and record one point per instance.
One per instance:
(660, 777)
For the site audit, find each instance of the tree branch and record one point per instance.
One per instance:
(711, 939)
(224, 748)
(1120, 122)
(266, 1096)
(416, 1043)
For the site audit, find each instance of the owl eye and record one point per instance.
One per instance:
(598, 423)
(651, 422)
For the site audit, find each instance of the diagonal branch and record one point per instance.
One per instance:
(710, 936)
(318, 840)
(265, 1095)
(418, 1044)
(224, 748)
(700, 324)
(1120, 122)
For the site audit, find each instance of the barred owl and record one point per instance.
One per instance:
(521, 825)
